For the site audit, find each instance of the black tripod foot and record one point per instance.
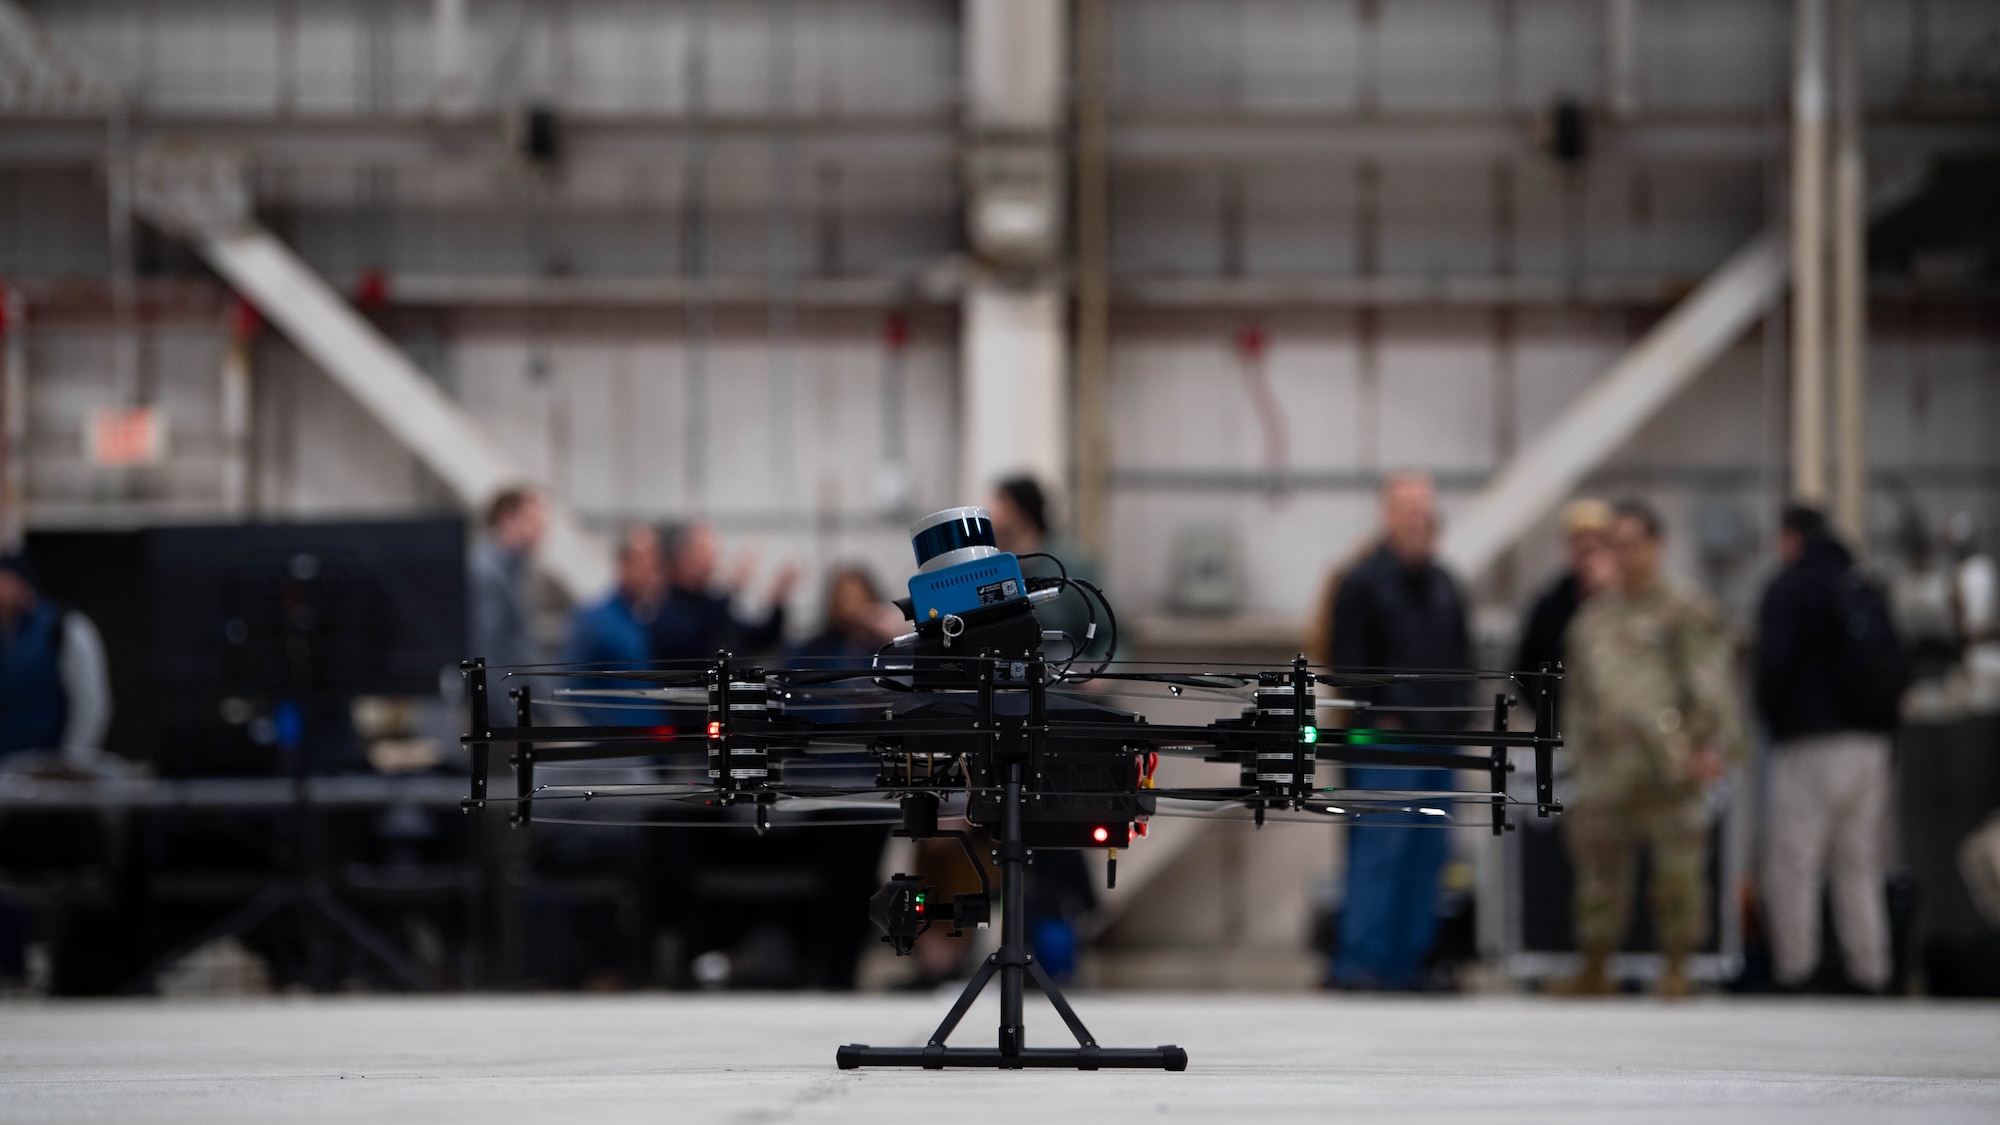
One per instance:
(855, 1055)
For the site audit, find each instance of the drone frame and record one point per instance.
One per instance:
(1017, 744)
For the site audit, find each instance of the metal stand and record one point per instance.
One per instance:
(323, 919)
(1014, 962)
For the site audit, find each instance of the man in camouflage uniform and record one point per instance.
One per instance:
(1650, 715)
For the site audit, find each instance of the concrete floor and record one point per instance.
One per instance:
(766, 1059)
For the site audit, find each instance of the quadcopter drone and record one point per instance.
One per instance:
(979, 714)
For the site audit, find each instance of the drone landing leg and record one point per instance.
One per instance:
(1013, 961)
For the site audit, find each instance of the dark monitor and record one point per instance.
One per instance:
(282, 610)
(310, 613)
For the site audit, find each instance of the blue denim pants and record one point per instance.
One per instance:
(1388, 918)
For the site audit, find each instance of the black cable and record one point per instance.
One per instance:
(1090, 626)
(883, 682)
(1063, 570)
(1063, 579)
(1111, 618)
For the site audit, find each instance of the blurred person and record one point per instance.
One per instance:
(1022, 525)
(844, 857)
(1975, 595)
(1921, 595)
(1063, 889)
(590, 944)
(1651, 719)
(55, 703)
(695, 619)
(1829, 680)
(1585, 526)
(1397, 608)
(858, 622)
(500, 615)
(617, 629)
(55, 686)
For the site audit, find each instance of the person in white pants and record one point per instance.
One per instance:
(1829, 802)
(1829, 714)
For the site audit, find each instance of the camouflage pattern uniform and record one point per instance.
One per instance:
(1650, 680)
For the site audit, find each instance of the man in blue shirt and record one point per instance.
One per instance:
(616, 631)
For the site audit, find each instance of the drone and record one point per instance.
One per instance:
(978, 714)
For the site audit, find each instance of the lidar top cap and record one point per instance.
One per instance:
(953, 536)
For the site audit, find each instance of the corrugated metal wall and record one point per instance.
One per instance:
(1390, 144)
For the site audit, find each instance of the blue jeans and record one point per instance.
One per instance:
(1389, 916)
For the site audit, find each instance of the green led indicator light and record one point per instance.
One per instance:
(1311, 734)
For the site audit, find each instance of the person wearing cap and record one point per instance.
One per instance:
(55, 689)
(1585, 524)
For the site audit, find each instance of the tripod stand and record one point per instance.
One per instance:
(1015, 964)
(322, 918)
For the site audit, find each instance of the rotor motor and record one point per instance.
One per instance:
(1284, 771)
(739, 729)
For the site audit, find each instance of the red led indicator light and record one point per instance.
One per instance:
(715, 728)
(1100, 834)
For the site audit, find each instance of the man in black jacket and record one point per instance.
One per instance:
(695, 619)
(1829, 771)
(1397, 609)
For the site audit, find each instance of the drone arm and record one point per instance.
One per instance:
(479, 724)
(1548, 705)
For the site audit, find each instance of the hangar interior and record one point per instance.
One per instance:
(1213, 271)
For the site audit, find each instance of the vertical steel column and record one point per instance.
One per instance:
(236, 409)
(1850, 278)
(780, 258)
(1808, 251)
(1621, 58)
(1013, 919)
(700, 309)
(13, 416)
(1093, 278)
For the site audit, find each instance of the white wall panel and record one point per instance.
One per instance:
(1299, 221)
(1300, 55)
(1559, 48)
(51, 224)
(1438, 55)
(1181, 55)
(1167, 222)
(1710, 54)
(1436, 220)
(1437, 392)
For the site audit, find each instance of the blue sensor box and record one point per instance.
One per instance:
(967, 586)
